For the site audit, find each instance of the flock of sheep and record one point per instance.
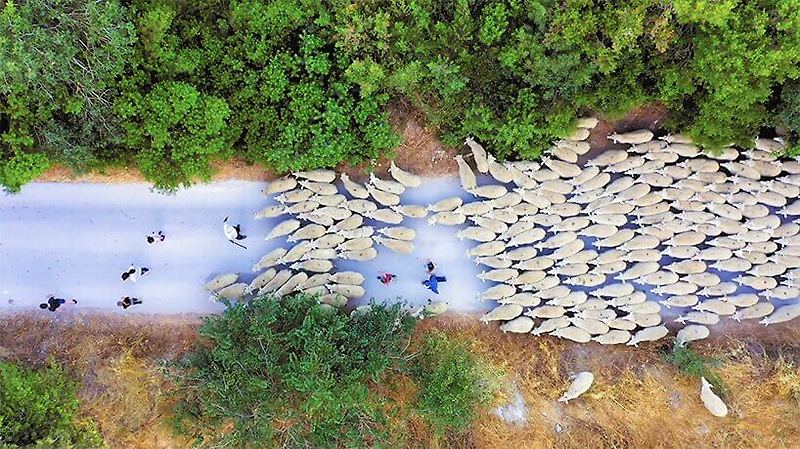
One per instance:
(589, 252)
(574, 249)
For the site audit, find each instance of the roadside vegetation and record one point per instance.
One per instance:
(171, 87)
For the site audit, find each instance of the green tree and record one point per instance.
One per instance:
(40, 409)
(291, 373)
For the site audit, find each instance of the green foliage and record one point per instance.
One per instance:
(21, 168)
(290, 373)
(693, 364)
(452, 385)
(39, 409)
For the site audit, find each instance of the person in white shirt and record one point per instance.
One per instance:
(133, 273)
(233, 233)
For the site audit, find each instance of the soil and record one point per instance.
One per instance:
(651, 116)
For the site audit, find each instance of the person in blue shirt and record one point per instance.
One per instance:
(432, 283)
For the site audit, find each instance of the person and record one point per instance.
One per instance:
(386, 278)
(54, 303)
(233, 233)
(432, 283)
(430, 266)
(128, 301)
(133, 273)
(155, 237)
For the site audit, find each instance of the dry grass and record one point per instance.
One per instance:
(637, 400)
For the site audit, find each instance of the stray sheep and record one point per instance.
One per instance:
(711, 401)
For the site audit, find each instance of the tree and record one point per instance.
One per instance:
(289, 372)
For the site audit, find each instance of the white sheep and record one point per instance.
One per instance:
(385, 215)
(387, 186)
(355, 189)
(572, 333)
(358, 244)
(308, 232)
(285, 227)
(648, 334)
(497, 292)
(276, 282)
(280, 185)
(294, 196)
(268, 260)
(613, 337)
(326, 176)
(404, 177)
(221, 281)
(478, 154)
(691, 332)
(447, 219)
(398, 232)
(446, 205)
(360, 256)
(581, 383)
(782, 314)
(467, 176)
(519, 325)
(233, 291)
(261, 280)
(499, 171)
(410, 210)
(711, 401)
(502, 313)
(270, 212)
(360, 206)
(313, 265)
(347, 290)
(383, 197)
(398, 246)
(320, 188)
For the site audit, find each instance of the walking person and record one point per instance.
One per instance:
(233, 233)
(54, 303)
(430, 267)
(432, 283)
(133, 273)
(128, 301)
(155, 237)
(386, 278)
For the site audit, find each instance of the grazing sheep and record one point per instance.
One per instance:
(233, 291)
(385, 216)
(478, 154)
(550, 325)
(398, 246)
(716, 306)
(783, 292)
(536, 263)
(261, 280)
(691, 332)
(295, 253)
(301, 208)
(493, 262)
(313, 265)
(358, 244)
(268, 260)
(221, 281)
(355, 189)
(499, 171)
(360, 206)
(383, 185)
(324, 253)
(648, 334)
(711, 401)
(352, 222)
(403, 177)
(308, 232)
(642, 307)
(563, 169)
(383, 197)
(590, 325)
(487, 249)
(270, 212)
(467, 176)
(347, 277)
(315, 217)
(504, 312)
(519, 325)
(621, 324)
(280, 278)
(329, 200)
(446, 205)
(410, 210)
(679, 288)
(361, 256)
(294, 196)
(581, 383)
(782, 314)
(281, 185)
(639, 136)
(347, 290)
(497, 292)
(636, 297)
(757, 310)
(613, 337)
(314, 281)
(579, 134)
(575, 146)
(707, 318)
(525, 299)
(564, 153)
(587, 280)
(733, 264)
(572, 333)
(320, 188)
(333, 299)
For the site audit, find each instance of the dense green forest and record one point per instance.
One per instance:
(172, 86)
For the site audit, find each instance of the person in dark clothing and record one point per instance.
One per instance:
(430, 266)
(432, 283)
(233, 233)
(128, 301)
(54, 303)
(386, 278)
(133, 273)
(155, 237)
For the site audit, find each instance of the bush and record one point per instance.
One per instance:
(289, 373)
(40, 409)
(451, 384)
(693, 364)
(21, 168)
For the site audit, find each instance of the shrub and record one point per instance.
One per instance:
(21, 168)
(451, 384)
(39, 408)
(693, 364)
(290, 373)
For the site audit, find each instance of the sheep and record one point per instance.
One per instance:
(557, 240)
(398, 232)
(498, 171)
(574, 269)
(410, 210)
(581, 383)
(360, 206)
(573, 255)
(699, 317)
(435, 308)
(314, 281)
(586, 122)
(768, 269)
(714, 253)
(679, 288)
(598, 181)
(599, 231)
(268, 260)
(357, 233)
(782, 314)
(270, 212)
(783, 292)
(648, 334)
(403, 177)
(491, 191)
(347, 290)
(285, 227)
(521, 179)
(564, 210)
(754, 311)
(333, 299)
(550, 325)
(727, 242)
(324, 253)
(358, 244)
(487, 249)
(576, 146)
(361, 256)
(535, 263)
(307, 232)
(507, 201)
(398, 246)
(562, 169)
(475, 208)
(564, 153)
(627, 165)
(313, 265)
(280, 278)
(233, 291)
(446, 205)
(609, 209)
(641, 255)
(478, 154)
(261, 280)
(711, 401)
(756, 282)
(504, 312)
(329, 200)
(618, 239)
(573, 333)
(221, 281)
(568, 250)
(447, 219)
(496, 226)
(613, 290)
(295, 253)
(527, 237)
(579, 134)
(621, 324)
(516, 229)
(722, 289)
(525, 299)
(734, 264)
(527, 278)
(320, 188)
(385, 215)
(383, 197)
(640, 242)
(314, 217)
(590, 325)
(587, 280)
(519, 325)
(543, 219)
(467, 176)
(355, 189)
(301, 208)
(346, 277)
(493, 262)
(613, 337)
(716, 306)
(611, 267)
(639, 136)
